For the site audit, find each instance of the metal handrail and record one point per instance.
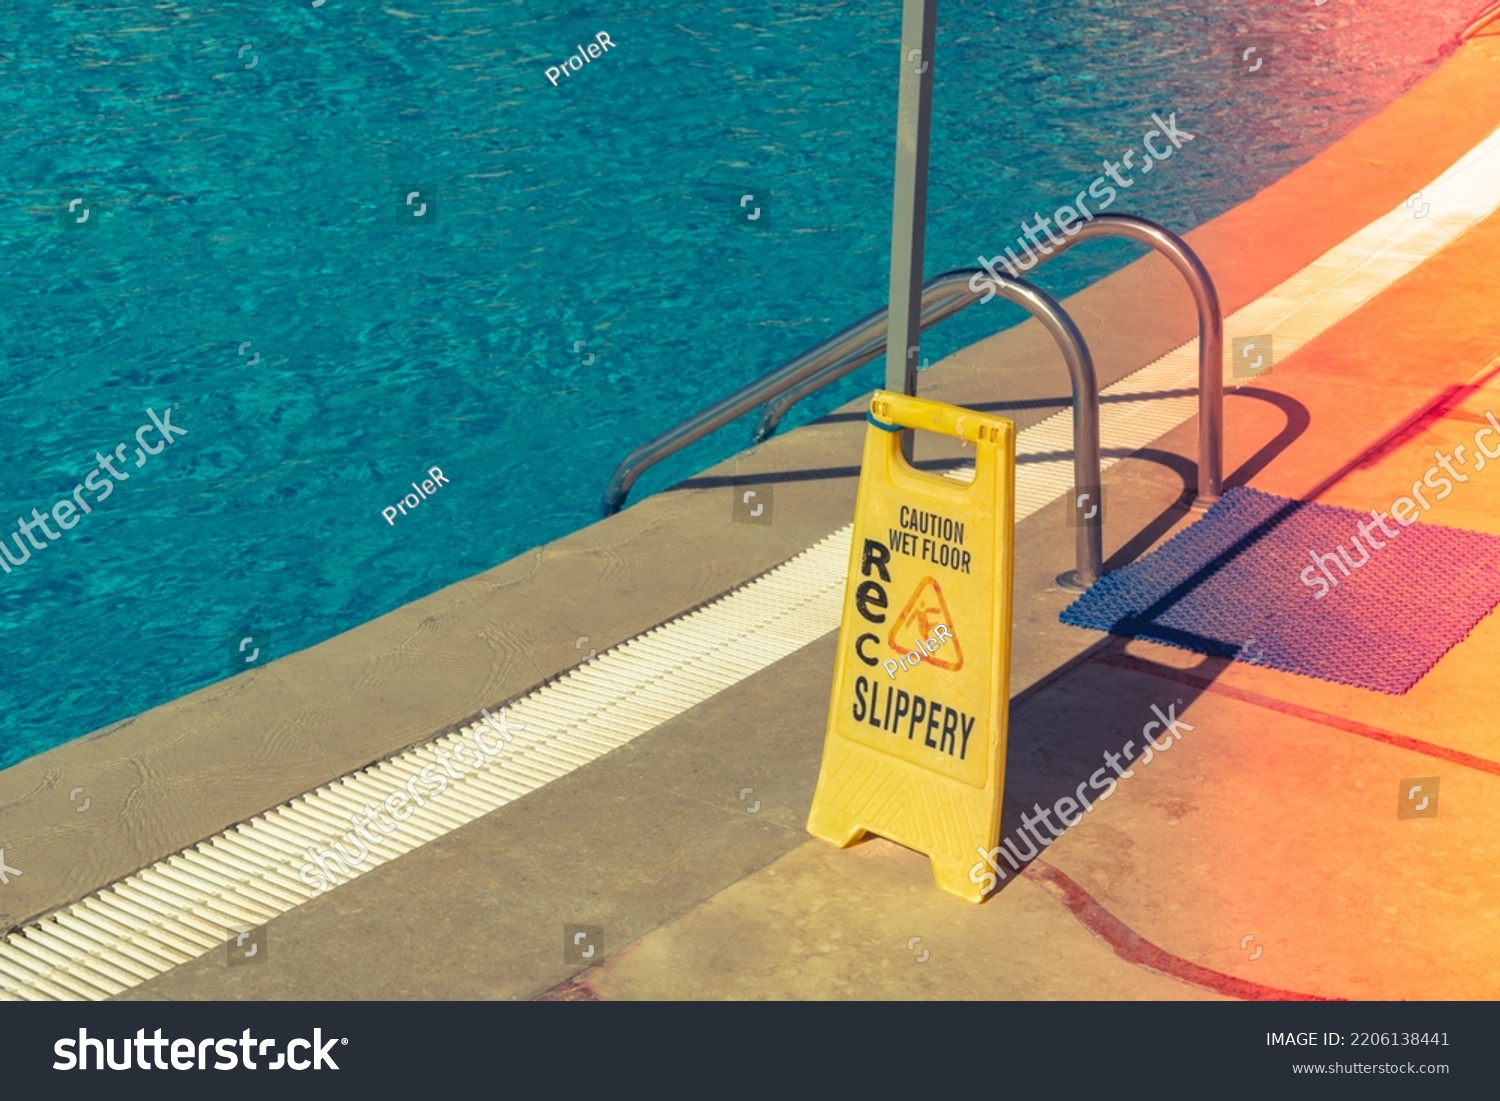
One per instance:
(960, 296)
(1210, 344)
(942, 297)
(1089, 538)
(854, 341)
(1480, 22)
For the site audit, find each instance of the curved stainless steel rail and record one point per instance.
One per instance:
(851, 344)
(1210, 346)
(1480, 22)
(865, 340)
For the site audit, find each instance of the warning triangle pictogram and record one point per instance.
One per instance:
(923, 612)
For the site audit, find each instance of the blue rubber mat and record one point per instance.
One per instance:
(1302, 588)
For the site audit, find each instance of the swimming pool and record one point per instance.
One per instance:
(582, 280)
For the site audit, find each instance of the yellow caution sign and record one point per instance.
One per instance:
(915, 750)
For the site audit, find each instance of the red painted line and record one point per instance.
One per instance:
(1131, 947)
(1120, 660)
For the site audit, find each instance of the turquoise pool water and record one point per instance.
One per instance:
(244, 170)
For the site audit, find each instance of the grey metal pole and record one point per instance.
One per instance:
(909, 209)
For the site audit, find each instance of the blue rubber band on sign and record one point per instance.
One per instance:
(881, 424)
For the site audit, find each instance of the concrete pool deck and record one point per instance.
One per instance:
(698, 898)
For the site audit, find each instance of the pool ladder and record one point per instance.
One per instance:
(946, 295)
